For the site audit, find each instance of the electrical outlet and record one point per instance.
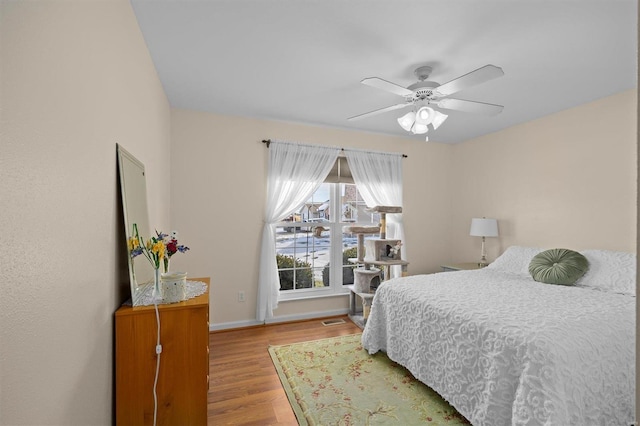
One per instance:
(241, 296)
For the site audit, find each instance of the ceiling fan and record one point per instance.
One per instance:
(424, 94)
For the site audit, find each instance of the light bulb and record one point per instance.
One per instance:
(425, 115)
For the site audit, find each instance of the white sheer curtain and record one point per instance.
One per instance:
(295, 173)
(378, 176)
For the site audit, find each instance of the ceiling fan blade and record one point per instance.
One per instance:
(481, 75)
(470, 106)
(378, 111)
(387, 86)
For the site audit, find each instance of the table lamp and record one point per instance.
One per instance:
(483, 228)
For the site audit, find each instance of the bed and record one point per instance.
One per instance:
(504, 349)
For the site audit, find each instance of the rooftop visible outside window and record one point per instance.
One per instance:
(312, 246)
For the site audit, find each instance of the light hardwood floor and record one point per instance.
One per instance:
(244, 386)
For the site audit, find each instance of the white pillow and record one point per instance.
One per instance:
(515, 260)
(610, 271)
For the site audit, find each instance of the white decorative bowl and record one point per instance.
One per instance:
(173, 287)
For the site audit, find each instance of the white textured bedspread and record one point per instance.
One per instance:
(506, 350)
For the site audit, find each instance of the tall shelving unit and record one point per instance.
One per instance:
(373, 253)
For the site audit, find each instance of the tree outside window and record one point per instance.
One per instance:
(313, 248)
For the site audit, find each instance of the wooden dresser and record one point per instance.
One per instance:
(183, 379)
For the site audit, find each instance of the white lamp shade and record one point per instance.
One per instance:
(438, 119)
(419, 129)
(407, 120)
(484, 227)
(425, 115)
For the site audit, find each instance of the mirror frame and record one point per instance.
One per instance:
(133, 190)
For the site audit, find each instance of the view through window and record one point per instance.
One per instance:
(312, 245)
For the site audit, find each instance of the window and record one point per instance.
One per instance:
(313, 247)
(294, 171)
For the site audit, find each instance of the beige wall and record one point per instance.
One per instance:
(218, 197)
(565, 180)
(76, 80)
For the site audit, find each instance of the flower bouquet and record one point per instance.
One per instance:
(158, 250)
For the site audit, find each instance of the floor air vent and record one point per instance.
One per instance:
(333, 321)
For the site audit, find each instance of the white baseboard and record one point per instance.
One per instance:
(234, 324)
(307, 316)
(278, 319)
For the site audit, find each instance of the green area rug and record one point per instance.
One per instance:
(336, 382)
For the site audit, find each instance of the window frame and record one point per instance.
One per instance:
(335, 287)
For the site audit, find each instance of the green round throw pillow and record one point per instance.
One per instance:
(558, 266)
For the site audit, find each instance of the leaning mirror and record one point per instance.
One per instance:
(133, 188)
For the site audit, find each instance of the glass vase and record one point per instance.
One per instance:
(156, 284)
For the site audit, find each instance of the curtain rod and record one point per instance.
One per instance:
(268, 142)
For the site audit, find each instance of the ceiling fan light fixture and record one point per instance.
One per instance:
(438, 119)
(425, 93)
(407, 120)
(419, 129)
(425, 115)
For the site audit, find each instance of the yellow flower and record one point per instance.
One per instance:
(133, 243)
(154, 249)
(158, 249)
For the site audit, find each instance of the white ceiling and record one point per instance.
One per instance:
(302, 60)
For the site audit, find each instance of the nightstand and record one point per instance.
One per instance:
(468, 266)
